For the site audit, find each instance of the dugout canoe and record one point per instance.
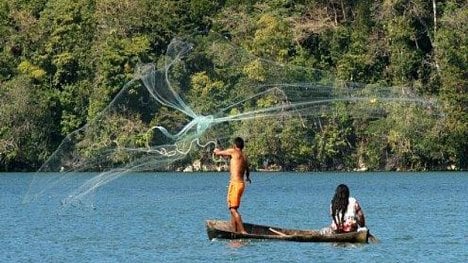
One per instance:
(219, 229)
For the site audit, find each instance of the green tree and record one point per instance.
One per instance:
(19, 34)
(333, 141)
(364, 57)
(452, 53)
(25, 133)
(406, 38)
(271, 38)
(205, 94)
(67, 30)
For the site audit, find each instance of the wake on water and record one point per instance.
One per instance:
(133, 133)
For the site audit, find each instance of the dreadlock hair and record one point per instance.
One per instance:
(339, 205)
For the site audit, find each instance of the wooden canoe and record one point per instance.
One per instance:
(219, 229)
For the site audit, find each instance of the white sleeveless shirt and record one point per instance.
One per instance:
(351, 209)
(350, 217)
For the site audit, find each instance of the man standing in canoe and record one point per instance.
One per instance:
(238, 167)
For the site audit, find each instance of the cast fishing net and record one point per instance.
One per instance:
(204, 91)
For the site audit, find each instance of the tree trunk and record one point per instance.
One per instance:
(343, 10)
(434, 9)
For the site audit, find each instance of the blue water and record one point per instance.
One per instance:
(418, 217)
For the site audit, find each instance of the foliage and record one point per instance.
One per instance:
(25, 125)
(62, 62)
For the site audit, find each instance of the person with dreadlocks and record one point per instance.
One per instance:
(345, 211)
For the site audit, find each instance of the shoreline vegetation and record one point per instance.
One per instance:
(63, 64)
(198, 167)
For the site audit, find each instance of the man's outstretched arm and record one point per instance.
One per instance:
(227, 152)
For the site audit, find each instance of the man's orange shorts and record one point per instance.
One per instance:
(235, 191)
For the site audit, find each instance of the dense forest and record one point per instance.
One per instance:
(63, 61)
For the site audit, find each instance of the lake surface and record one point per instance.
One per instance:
(159, 217)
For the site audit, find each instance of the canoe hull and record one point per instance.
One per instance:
(219, 229)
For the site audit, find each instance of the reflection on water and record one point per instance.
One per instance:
(237, 243)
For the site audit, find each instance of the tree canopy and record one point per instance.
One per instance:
(63, 61)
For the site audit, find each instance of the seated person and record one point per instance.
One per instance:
(345, 211)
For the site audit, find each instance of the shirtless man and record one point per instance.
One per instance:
(237, 168)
